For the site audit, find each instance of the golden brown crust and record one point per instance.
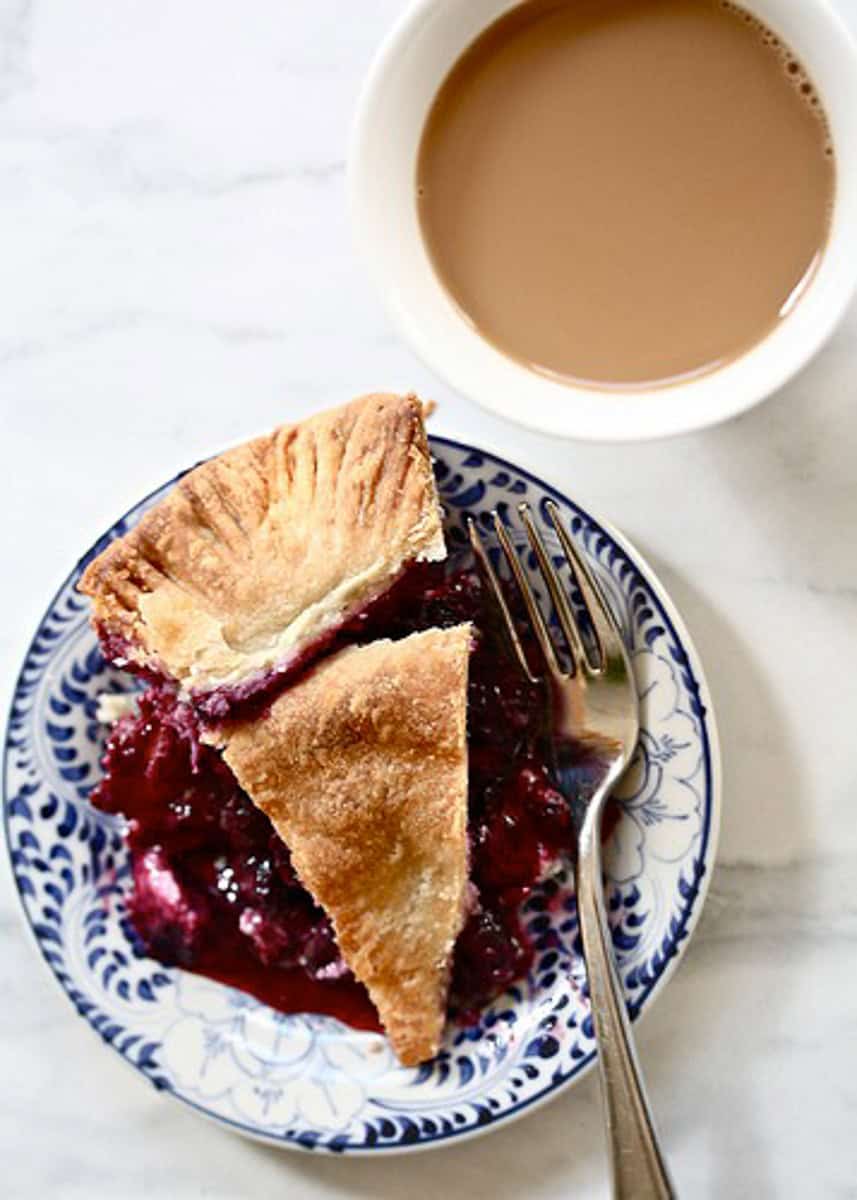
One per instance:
(256, 553)
(362, 768)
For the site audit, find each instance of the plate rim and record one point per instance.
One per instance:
(710, 830)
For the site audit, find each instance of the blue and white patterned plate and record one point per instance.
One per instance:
(308, 1081)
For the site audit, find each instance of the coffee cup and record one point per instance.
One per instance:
(400, 88)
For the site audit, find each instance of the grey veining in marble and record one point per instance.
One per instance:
(176, 274)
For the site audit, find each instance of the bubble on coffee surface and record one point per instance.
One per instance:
(794, 70)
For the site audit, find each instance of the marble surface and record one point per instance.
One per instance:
(176, 275)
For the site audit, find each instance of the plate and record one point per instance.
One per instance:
(307, 1081)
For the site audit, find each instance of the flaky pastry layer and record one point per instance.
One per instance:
(257, 553)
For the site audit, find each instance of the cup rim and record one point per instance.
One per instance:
(469, 364)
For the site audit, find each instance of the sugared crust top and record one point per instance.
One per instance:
(362, 768)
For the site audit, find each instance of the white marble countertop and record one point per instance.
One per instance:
(177, 275)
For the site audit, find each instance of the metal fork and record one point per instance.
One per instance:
(594, 722)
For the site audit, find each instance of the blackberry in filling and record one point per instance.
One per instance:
(214, 890)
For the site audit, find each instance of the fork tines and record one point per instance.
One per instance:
(607, 636)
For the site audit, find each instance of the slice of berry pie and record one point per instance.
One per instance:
(257, 556)
(362, 770)
(335, 783)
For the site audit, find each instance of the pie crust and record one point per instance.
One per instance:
(254, 556)
(362, 769)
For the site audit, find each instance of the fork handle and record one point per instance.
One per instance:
(638, 1168)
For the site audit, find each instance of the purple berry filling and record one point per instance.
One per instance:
(214, 890)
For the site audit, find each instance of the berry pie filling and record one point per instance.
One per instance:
(213, 886)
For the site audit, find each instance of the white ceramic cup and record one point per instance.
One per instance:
(402, 82)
